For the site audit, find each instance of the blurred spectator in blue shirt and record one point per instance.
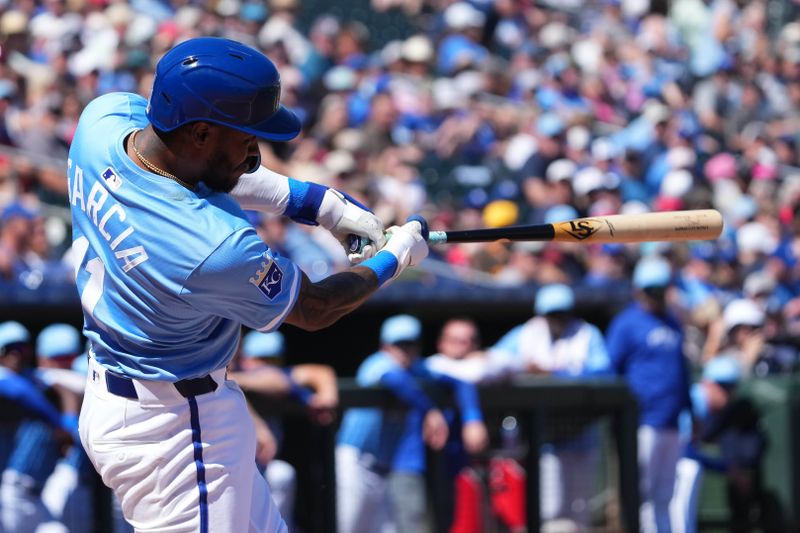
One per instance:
(16, 225)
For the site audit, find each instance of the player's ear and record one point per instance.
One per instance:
(200, 133)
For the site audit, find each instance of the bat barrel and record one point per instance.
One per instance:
(700, 224)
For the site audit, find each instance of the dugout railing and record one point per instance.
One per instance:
(538, 404)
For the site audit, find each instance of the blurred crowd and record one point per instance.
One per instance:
(488, 114)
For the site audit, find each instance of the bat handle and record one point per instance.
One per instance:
(356, 243)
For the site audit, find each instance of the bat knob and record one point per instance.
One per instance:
(422, 222)
(356, 243)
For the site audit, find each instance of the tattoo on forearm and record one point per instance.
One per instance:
(330, 299)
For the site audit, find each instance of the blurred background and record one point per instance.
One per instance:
(481, 113)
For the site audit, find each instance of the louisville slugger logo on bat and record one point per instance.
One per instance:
(580, 229)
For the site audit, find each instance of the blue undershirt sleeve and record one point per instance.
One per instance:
(22, 391)
(406, 389)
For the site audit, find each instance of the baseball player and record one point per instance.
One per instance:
(313, 385)
(556, 342)
(711, 398)
(373, 441)
(169, 269)
(37, 445)
(67, 493)
(407, 491)
(20, 397)
(645, 344)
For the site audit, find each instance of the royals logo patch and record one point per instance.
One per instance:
(268, 279)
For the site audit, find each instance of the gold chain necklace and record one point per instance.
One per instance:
(151, 167)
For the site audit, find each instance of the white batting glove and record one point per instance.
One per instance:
(407, 244)
(343, 217)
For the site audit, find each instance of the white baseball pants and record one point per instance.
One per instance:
(683, 507)
(178, 465)
(69, 500)
(282, 481)
(22, 508)
(566, 483)
(362, 504)
(659, 449)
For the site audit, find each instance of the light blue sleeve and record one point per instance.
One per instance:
(407, 390)
(503, 359)
(510, 341)
(243, 281)
(598, 363)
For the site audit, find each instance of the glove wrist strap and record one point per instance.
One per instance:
(384, 264)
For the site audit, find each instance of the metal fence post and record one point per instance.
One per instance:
(328, 438)
(533, 508)
(627, 422)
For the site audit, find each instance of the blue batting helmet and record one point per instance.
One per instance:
(221, 81)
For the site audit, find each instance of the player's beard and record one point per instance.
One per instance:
(222, 174)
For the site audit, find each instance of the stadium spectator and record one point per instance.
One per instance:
(15, 234)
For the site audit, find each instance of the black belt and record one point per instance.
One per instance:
(123, 386)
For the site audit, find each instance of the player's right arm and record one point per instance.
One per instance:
(243, 280)
(22, 391)
(313, 204)
(320, 304)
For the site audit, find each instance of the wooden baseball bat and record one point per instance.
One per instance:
(700, 224)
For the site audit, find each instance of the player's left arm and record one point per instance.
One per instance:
(474, 434)
(324, 398)
(266, 444)
(266, 380)
(313, 204)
